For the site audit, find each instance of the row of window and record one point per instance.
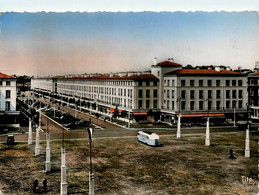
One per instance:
(193, 106)
(7, 83)
(148, 95)
(209, 94)
(147, 83)
(209, 83)
(147, 105)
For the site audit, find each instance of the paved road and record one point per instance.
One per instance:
(110, 130)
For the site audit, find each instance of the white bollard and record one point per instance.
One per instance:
(178, 133)
(207, 139)
(63, 185)
(48, 162)
(247, 149)
(30, 133)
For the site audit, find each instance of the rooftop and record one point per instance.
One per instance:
(5, 76)
(204, 72)
(126, 77)
(168, 63)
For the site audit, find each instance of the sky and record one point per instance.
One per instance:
(44, 43)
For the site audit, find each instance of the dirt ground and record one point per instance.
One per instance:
(125, 166)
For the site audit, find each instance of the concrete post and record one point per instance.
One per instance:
(207, 139)
(178, 133)
(247, 149)
(63, 185)
(91, 183)
(30, 133)
(48, 163)
(37, 147)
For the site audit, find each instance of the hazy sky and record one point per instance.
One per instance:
(58, 43)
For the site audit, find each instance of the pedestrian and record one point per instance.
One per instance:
(35, 185)
(45, 185)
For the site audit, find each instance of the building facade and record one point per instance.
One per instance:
(168, 91)
(8, 113)
(253, 91)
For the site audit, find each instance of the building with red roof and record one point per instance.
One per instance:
(165, 92)
(8, 113)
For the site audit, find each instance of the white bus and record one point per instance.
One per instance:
(148, 138)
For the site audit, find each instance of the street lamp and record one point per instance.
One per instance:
(91, 175)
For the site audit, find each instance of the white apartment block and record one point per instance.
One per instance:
(8, 113)
(169, 90)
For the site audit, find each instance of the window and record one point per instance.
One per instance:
(7, 106)
(172, 105)
(7, 94)
(148, 93)
(240, 94)
(191, 83)
(209, 105)
(172, 93)
(200, 105)
(240, 104)
(192, 105)
(227, 104)
(218, 83)
(192, 94)
(209, 83)
(234, 103)
(183, 105)
(167, 104)
(147, 103)
(168, 94)
(168, 82)
(240, 82)
(209, 94)
(8, 83)
(227, 83)
(200, 94)
(218, 93)
(158, 73)
(155, 93)
(200, 83)
(147, 83)
(228, 94)
(155, 104)
(140, 95)
(155, 83)
(218, 105)
(140, 83)
(140, 104)
(183, 94)
(234, 94)
(1, 83)
(182, 83)
(234, 82)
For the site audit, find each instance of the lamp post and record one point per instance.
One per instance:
(91, 175)
(178, 133)
(63, 184)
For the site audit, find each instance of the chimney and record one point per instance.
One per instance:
(155, 61)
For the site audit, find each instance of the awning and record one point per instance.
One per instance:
(140, 113)
(113, 109)
(202, 115)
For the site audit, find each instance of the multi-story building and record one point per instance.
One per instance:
(253, 91)
(169, 90)
(8, 113)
